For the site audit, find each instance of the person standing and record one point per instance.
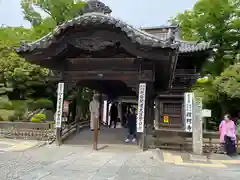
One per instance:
(94, 112)
(132, 125)
(113, 115)
(227, 131)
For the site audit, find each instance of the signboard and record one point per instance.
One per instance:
(165, 119)
(206, 113)
(188, 114)
(141, 107)
(65, 106)
(59, 111)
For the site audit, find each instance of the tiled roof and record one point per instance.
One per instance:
(93, 18)
(185, 46)
(188, 47)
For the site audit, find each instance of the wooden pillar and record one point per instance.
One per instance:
(97, 124)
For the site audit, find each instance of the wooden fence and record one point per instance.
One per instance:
(181, 140)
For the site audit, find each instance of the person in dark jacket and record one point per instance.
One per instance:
(132, 126)
(113, 115)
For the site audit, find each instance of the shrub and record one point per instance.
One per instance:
(33, 119)
(6, 105)
(19, 104)
(5, 114)
(38, 117)
(30, 104)
(13, 118)
(43, 104)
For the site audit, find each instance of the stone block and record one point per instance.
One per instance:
(195, 157)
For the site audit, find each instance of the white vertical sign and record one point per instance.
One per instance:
(109, 116)
(104, 117)
(141, 107)
(59, 111)
(188, 111)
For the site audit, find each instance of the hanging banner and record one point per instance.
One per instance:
(141, 107)
(59, 110)
(188, 114)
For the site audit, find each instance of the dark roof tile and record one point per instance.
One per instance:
(94, 18)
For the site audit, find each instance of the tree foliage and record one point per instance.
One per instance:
(217, 21)
(18, 78)
(59, 10)
(15, 71)
(228, 81)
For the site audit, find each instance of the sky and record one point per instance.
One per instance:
(149, 13)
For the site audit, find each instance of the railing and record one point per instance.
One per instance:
(75, 126)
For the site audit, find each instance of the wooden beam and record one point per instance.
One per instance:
(85, 65)
(102, 75)
(75, 60)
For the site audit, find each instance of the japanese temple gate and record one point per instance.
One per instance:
(103, 53)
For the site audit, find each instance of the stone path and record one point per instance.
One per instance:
(188, 159)
(75, 160)
(16, 145)
(106, 136)
(113, 163)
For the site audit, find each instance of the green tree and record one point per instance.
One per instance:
(217, 21)
(14, 70)
(228, 81)
(59, 10)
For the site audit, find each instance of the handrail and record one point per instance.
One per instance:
(74, 126)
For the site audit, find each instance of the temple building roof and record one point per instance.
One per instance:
(97, 15)
(96, 19)
(95, 30)
(184, 46)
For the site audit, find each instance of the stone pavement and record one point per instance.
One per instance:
(188, 159)
(115, 162)
(17, 145)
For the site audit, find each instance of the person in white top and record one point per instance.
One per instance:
(94, 111)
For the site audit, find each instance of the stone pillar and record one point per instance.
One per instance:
(157, 114)
(197, 133)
